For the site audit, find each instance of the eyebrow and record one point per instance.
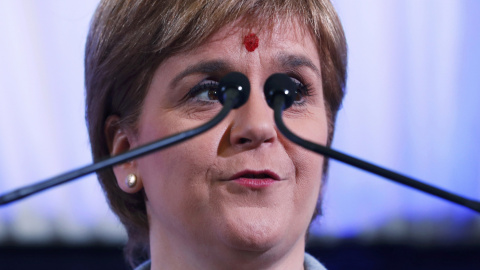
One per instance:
(203, 67)
(292, 61)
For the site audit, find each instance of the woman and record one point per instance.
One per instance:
(241, 195)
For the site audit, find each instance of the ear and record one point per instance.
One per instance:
(119, 140)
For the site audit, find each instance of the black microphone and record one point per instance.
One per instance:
(280, 91)
(233, 91)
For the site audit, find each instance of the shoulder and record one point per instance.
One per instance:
(311, 263)
(144, 266)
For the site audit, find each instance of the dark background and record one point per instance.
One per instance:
(346, 255)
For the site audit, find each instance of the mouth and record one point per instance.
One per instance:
(255, 179)
(248, 174)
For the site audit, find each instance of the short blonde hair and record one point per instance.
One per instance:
(129, 39)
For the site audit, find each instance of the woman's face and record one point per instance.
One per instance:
(241, 185)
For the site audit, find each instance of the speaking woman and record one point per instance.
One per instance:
(240, 196)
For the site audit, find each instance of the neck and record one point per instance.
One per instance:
(193, 255)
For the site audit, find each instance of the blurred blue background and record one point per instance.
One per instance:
(412, 105)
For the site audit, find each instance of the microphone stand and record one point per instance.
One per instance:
(280, 97)
(233, 93)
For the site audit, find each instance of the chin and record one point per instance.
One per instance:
(253, 233)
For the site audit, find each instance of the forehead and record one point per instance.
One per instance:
(279, 36)
(272, 34)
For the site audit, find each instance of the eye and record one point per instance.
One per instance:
(302, 91)
(205, 91)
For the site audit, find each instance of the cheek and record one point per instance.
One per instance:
(167, 165)
(177, 177)
(309, 185)
(308, 164)
(311, 125)
(308, 170)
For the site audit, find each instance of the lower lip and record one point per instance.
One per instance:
(255, 183)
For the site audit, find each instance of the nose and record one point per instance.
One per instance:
(253, 123)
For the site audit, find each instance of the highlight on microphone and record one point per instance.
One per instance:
(234, 90)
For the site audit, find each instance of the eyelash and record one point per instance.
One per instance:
(302, 91)
(207, 85)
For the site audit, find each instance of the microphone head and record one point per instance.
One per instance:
(234, 81)
(280, 84)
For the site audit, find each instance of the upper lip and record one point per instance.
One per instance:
(255, 174)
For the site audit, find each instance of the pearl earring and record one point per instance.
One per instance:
(131, 180)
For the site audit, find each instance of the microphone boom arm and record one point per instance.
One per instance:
(279, 104)
(124, 157)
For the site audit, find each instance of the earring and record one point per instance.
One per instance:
(131, 180)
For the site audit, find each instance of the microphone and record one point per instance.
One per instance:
(280, 91)
(233, 92)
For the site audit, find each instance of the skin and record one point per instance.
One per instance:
(198, 219)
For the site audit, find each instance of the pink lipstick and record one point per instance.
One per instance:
(255, 179)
